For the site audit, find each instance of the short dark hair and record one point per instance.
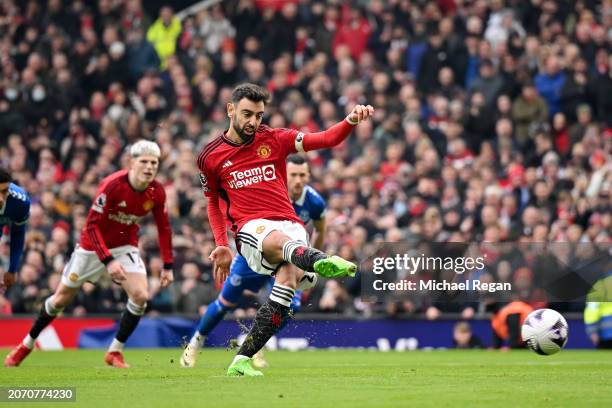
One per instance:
(296, 159)
(5, 176)
(251, 92)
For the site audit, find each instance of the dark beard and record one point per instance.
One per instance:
(241, 133)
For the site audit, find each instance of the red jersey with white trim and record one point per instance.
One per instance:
(250, 178)
(114, 215)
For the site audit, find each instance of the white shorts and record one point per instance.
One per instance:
(85, 266)
(252, 234)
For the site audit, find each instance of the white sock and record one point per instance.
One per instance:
(197, 340)
(28, 341)
(238, 358)
(116, 345)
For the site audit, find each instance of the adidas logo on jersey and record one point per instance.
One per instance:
(227, 164)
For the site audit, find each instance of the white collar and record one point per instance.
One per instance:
(300, 201)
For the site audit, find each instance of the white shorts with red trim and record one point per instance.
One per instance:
(85, 266)
(252, 234)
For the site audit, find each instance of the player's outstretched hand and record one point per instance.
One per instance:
(167, 277)
(360, 113)
(221, 256)
(116, 271)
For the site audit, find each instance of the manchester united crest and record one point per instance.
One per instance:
(148, 205)
(264, 151)
(260, 229)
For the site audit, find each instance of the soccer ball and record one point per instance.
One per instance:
(545, 331)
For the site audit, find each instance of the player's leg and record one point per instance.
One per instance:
(83, 266)
(209, 320)
(267, 321)
(289, 244)
(53, 306)
(259, 360)
(137, 290)
(136, 287)
(241, 278)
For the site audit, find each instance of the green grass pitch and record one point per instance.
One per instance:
(325, 378)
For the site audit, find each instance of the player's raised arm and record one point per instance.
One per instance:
(336, 134)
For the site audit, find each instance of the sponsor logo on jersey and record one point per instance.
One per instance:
(123, 204)
(148, 205)
(245, 178)
(18, 195)
(260, 229)
(264, 151)
(123, 218)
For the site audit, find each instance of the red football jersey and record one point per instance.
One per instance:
(250, 178)
(114, 215)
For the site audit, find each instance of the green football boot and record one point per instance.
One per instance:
(243, 368)
(335, 267)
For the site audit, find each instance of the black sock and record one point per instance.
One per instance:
(267, 322)
(127, 326)
(45, 317)
(41, 322)
(129, 320)
(301, 255)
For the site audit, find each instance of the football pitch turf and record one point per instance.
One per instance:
(324, 378)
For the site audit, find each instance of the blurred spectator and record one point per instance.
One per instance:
(598, 314)
(507, 324)
(463, 337)
(190, 292)
(163, 34)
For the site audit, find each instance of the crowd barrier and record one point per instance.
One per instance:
(380, 334)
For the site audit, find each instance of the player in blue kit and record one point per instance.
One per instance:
(310, 207)
(14, 213)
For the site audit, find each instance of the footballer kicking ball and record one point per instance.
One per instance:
(545, 331)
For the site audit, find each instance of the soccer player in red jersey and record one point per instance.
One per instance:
(109, 241)
(245, 167)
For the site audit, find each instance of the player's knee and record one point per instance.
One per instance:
(139, 297)
(137, 309)
(273, 245)
(52, 307)
(287, 275)
(62, 298)
(226, 304)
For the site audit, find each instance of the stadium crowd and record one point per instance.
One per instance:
(493, 122)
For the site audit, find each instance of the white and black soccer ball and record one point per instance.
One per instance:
(545, 331)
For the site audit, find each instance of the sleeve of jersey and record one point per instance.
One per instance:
(164, 231)
(94, 218)
(320, 209)
(18, 231)
(217, 221)
(215, 216)
(305, 142)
